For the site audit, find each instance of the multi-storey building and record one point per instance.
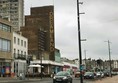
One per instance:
(5, 47)
(39, 29)
(13, 10)
(20, 49)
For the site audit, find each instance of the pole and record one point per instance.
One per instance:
(79, 42)
(109, 57)
(85, 58)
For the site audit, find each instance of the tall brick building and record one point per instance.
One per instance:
(39, 29)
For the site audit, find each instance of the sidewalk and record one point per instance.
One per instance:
(113, 79)
(10, 79)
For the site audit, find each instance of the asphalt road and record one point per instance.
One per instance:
(44, 80)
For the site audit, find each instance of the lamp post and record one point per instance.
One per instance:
(85, 59)
(79, 40)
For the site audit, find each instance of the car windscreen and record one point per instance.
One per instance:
(62, 74)
(88, 73)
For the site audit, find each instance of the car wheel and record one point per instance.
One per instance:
(71, 81)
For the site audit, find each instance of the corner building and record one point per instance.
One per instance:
(5, 47)
(39, 29)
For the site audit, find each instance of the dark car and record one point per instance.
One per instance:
(106, 72)
(89, 75)
(63, 77)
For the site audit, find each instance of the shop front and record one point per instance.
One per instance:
(5, 68)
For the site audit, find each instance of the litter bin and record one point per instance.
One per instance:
(22, 76)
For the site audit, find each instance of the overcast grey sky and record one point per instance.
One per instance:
(98, 24)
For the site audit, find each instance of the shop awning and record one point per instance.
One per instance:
(34, 66)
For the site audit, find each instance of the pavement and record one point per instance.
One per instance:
(113, 79)
(13, 79)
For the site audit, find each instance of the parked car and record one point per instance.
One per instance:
(89, 75)
(63, 77)
(100, 74)
(106, 72)
(77, 74)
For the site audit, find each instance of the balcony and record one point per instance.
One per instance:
(19, 56)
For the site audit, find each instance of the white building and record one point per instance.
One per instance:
(115, 64)
(20, 52)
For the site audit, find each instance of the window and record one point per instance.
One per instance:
(24, 43)
(5, 27)
(8, 46)
(14, 40)
(18, 52)
(21, 52)
(14, 50)
(18, 41)
(5, 45)
(24, 53)
(21, 42)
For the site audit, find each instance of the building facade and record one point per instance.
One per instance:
(39, 29)
(13, 10)
(57, 55)
(20, 52)
(5, 47)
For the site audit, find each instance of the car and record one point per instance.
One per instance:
(89, 75)
(106, 72)
(77, 74)
(63, 77)
(100, 74)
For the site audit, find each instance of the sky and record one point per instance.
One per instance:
(98, 25)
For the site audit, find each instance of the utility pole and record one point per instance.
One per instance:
(79, 40)
(85, 59)
(109, 56)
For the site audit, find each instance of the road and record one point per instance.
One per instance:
(44, 80)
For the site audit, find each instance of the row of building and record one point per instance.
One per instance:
(32, 36)
(28, 37)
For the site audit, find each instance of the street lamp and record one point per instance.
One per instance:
(79, 40)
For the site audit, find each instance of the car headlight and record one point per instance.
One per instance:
(90, 75)
(54, 77)
(65, 78)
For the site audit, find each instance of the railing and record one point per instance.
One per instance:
(19, 56)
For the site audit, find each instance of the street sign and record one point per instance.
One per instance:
(81, 67)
